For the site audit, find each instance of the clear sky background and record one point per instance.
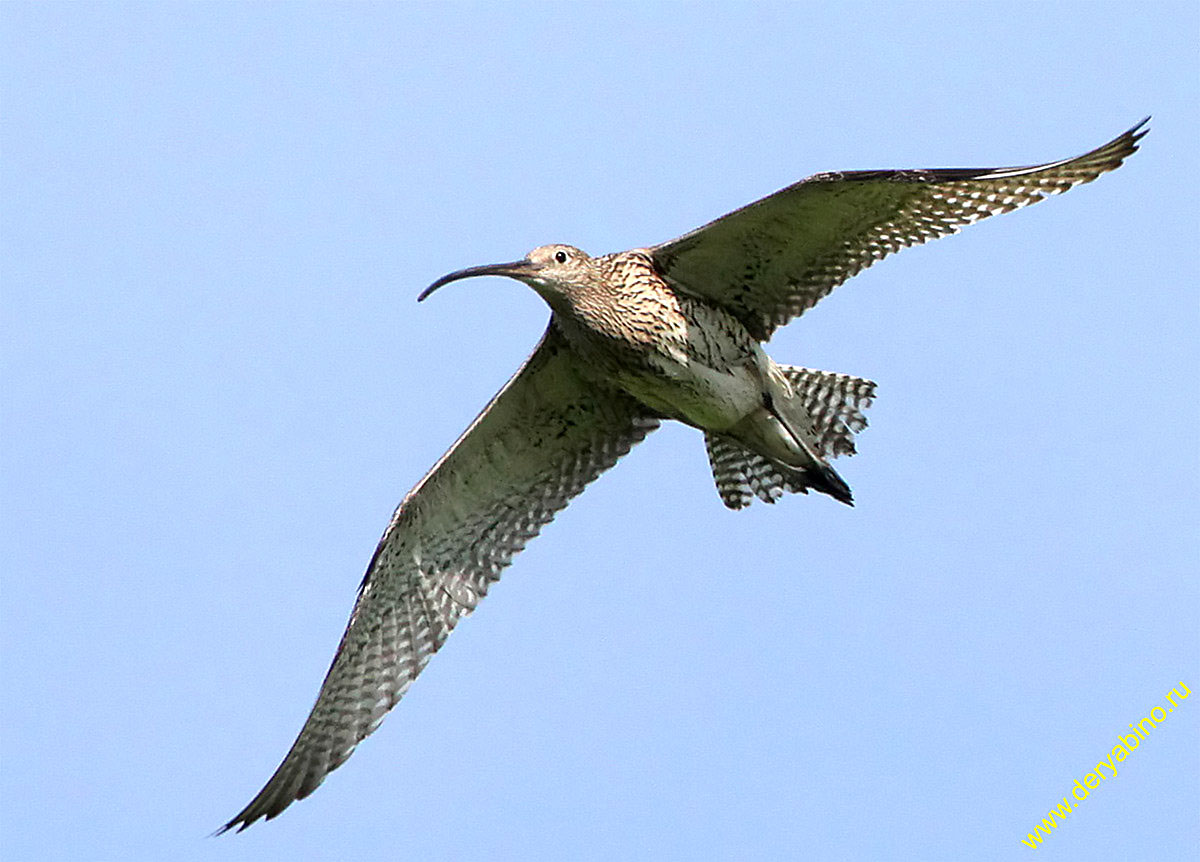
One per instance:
(217, 385)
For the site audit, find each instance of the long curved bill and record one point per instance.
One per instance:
(512, 269)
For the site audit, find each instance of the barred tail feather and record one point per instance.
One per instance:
(742, 475)
(835, 402)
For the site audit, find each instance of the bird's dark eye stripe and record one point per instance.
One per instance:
(560, 256)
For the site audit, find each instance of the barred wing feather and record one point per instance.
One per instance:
(774, 259)
(537, 444)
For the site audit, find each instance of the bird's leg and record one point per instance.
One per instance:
(765, 430)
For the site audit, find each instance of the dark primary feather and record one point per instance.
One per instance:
(545, 436)
(774, 259)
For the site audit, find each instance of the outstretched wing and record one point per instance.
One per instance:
(545, 436)
(774, 259)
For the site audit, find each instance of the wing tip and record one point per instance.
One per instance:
(1126, 144)
(1137, 132)
(237, 824)
(258, 809)
(270, 802)
(293, 780)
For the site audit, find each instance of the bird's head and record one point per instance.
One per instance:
(551, 270)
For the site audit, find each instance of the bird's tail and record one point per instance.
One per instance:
(835, 404)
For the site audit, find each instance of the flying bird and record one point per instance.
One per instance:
(673, 331)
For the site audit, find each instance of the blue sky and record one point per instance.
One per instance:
(217, 385)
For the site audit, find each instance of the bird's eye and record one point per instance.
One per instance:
(560, 256)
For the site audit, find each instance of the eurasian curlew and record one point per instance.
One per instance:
(668, 332)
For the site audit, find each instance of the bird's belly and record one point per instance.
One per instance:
(697, 394)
